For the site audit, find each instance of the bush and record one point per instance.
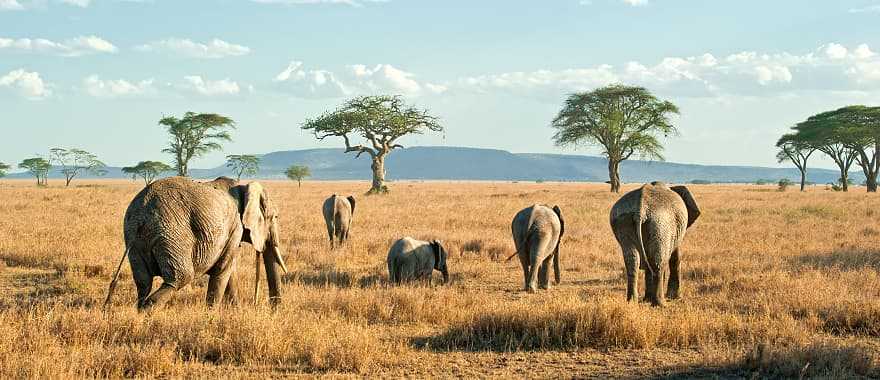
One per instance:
(784, 184)
(700, 182)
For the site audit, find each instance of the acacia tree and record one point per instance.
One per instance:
(195, 135)
(297, 173)
(38, 167)
(857, 127)
(622, 120)
(828, 136)
(380, 121)
(74, 162)
(243, 164)
(147, 170)
(793, 148)
(3, 169)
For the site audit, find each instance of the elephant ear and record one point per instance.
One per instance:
(436, 248)
(351, 201)
(689, 202)
(253, 218)
(558, 212)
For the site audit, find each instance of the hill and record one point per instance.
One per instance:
(457, 163)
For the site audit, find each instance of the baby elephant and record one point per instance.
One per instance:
(337, 215)
(414, 260)
(649, 224)
(537, 232)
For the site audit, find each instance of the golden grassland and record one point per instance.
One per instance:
(777, 284)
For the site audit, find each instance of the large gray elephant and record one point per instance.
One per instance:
(338, 212)
(649, 224)
(415, 260)
(178, 229)
(537, 233)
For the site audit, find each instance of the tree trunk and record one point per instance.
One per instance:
(614, 175)
(871, 182)
(299, 183)
(378, 167)
(803, 179)
(844, 179)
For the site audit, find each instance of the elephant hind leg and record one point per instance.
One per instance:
(158, 298)
(674, 276)
(544, 274)
(143, 280)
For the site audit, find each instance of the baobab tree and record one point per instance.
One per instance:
(380, 121)
(622, 120)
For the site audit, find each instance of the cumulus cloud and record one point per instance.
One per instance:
(352, 3)
(355, 79)
(100, 88)
(830, 67)
(213, 49)
(73, 47)
(10, 5)
(27, 83)
(199, 85)
(77, 3)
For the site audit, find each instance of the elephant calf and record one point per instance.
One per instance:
(649, 223)
(337, 215)
(537, 232)
(410, 260)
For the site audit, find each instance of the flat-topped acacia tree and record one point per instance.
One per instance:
(380, 121)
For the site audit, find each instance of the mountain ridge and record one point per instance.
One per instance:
(462, 163)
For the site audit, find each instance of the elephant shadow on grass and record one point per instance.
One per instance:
(323, 278)
(842, 258)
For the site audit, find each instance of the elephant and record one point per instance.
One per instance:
(415, 260)
(178, 229)
(649, 223)
(337, 215)
(537, 234)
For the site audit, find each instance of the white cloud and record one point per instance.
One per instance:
(868, 9)
(356, 79)
(353, 3)
(28, 84)
(73, 47)
(636, 3)
(100, 88)
(831, 67)
(10, 5)
(78, 3)
(215, 48)
(222, 87)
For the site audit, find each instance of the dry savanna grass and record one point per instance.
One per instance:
(775, 284)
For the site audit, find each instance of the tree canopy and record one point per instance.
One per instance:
(195, 135)
(243, 164)
(621, 120)
(74, 162)
(792, 147)
(39, 167)
(847, 135)
(298, 173)
(3, 168)
(147, 170)
(379, 121)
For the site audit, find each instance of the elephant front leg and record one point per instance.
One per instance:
(674, 276)
(231, 294)
(217, 284)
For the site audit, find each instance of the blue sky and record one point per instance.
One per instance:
(99, 74)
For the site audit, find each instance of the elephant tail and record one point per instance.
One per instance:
(556, 272)
(638, 221)
(115, 280)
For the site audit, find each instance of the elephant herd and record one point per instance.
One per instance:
(178, 229)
